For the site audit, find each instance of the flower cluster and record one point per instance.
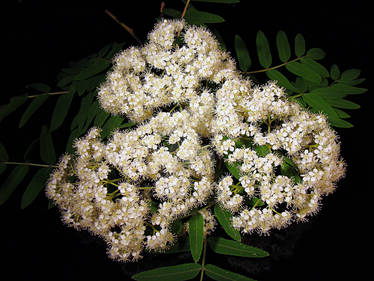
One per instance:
(107, 188)
(193, 109)
(286, 156)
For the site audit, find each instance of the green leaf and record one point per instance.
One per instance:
(103, 51)
(340, 123)
(13, 104)
(2, 168)
(263, 49)
(169, 273)
(289, 169)
(11, 183)
(320, 105)
(80, 118)
(223, 246)
(64, 81)
(35, 186)
(242, 53)
(194, 16)
(283, 46)
(196, 231)
(342, 103)
(3, 158)
(225, 219)
(299, 45)
(73, 135)
(61, 110)
(110, 125)
(316, 53)
(282, 80)
(100, 118)
(32, 108)
(262, 150)
(342, 114)
(172, 12)
(257, 202)
(41, 87)
(334, 72)
(350, 74)
(234, 169)
(179, 247)
(116, 47)
(219, 274)
(47, 149)
(316, 67)
(300, 84)
(303, 71)
(3, 153)
(353, 82)
(218, 1)
(339, 90)
(220, 39)
(94, 66)
(28, 155)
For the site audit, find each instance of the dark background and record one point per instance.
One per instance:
(41, 37)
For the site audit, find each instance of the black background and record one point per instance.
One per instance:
(41, 37)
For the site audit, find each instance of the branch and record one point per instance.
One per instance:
(51, 94)
(128, 29)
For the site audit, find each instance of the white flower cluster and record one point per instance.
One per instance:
(162, 73)
(291, 159)
(192, 108)
(102, 189)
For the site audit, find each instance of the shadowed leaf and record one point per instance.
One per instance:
(35, 186)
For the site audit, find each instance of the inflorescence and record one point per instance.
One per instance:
(193, 110)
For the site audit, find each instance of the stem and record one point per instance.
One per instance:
(203, 261)
(128, 29)
(183, 14)
(274, 67)
(146, 187)
(175, 106)
(29, 164)
(50, 94)
(185, 9)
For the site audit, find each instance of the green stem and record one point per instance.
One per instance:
(203, 261)
(50, 94)
(146, 187)
(29, 164)
(274, 67)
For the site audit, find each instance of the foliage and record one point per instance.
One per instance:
(300, 71)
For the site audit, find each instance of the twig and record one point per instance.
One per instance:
(128, 29)
(274, 67)
(185, 9)
(28, 164)
(50, 94)
(162, 7)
